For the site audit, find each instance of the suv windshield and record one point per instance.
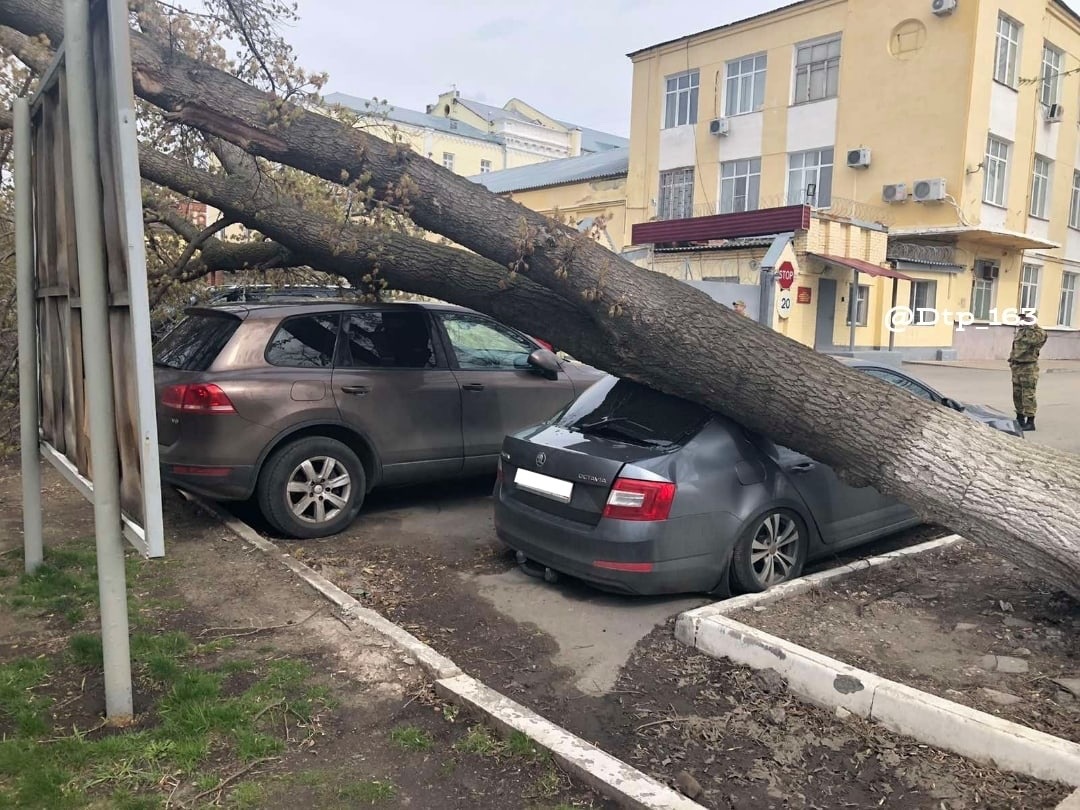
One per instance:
(195, 342)
(635, 414)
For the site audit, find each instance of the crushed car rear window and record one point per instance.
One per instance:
(195, 342)
(635, 411)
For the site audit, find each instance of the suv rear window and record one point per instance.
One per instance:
(195, 342)
(635, 414)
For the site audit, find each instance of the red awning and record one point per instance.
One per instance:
(862, 267)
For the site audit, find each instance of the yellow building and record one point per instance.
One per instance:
(587, 192)
(932, 144)
(470, 137)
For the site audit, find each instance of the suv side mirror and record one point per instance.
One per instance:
(546, 363)
(952, 403)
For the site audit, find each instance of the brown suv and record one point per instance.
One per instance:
(310, 406)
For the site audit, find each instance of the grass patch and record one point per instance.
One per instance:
(520, 745)
(368, 791)
(199, 721)
(412, 738)
(479, 740)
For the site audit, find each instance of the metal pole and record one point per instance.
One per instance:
(892, 332)
(26, 294)
(97, 360)
(853, 302)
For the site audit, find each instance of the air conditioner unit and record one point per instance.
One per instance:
(987, 271)
(719, 126)
(897, 192)
(929, 190)
(1054, 113)
(858, 158)
(943, 8)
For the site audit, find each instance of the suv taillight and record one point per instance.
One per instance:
(633, 499)
(197, 398)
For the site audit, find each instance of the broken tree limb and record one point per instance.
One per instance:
(1016, 498)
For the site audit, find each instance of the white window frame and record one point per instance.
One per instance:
(824, 158)
(680, 86)
(827, 64)
(1007, 50)
(983, 288)
(448, 160)
(485, 166)
(929, 301)
(1029, 289)
(1074, 202)
(861, 304)
(996, 171)
(1042, 171)
(675, 183)
(1070, 282)
(740, 185)
(744, 84)
(1050, 76)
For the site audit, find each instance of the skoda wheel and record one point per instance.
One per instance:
(313, 487)
(772, 550)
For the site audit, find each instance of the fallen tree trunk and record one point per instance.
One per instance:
(1016, 498)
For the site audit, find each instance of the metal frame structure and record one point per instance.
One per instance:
(86, 368)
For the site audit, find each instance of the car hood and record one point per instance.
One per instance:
(993, 418)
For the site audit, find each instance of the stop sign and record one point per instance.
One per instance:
(786, 275)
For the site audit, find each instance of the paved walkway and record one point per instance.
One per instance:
(1045, 366)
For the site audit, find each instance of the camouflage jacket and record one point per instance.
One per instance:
(1027, 343)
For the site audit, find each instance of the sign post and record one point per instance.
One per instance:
(84, 310)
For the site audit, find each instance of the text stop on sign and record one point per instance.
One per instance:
(786, 275)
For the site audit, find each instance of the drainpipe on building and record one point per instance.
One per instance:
(767, 297)
(853, 303)
(892, 332)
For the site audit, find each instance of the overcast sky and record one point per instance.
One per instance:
(566, 58)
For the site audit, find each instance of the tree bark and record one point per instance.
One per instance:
(1016, 498)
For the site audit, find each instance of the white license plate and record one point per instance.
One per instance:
(554, 488)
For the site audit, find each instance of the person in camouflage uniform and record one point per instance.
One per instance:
(1024, 362)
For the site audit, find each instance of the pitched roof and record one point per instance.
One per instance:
(609, 163)
(412, 117)
(592, 140)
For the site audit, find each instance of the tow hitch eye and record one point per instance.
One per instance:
(534, 570)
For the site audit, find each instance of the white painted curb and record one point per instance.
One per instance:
(606, 774)
(811, 581)
(830, 683)
(599, 770)
(1072, 802)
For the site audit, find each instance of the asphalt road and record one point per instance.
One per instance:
(594, 632)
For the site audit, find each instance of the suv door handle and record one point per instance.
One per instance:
(805, 466)
(359, 390)
(473, 386)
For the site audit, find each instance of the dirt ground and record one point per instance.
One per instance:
(948, 622)
(380, 738)
(741, 737)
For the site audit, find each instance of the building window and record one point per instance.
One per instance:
(1008, 51)
(982, 298)
(1050, 87)
(862, 305)
(485, 166)
(1067, 304)
(1029, 287)
(1074, 202)
(1040, 186)
(681, 100)
(923, 297)
(995, 184)
(676, 194)
(817, 70)
(810, 178)
(745, 85)
(740, 182)
(448, 160)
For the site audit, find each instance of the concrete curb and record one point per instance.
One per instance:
(811, 581)
(833, 684)
(1071, 802)
(599, 770)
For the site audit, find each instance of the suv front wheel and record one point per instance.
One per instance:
(312, 487)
